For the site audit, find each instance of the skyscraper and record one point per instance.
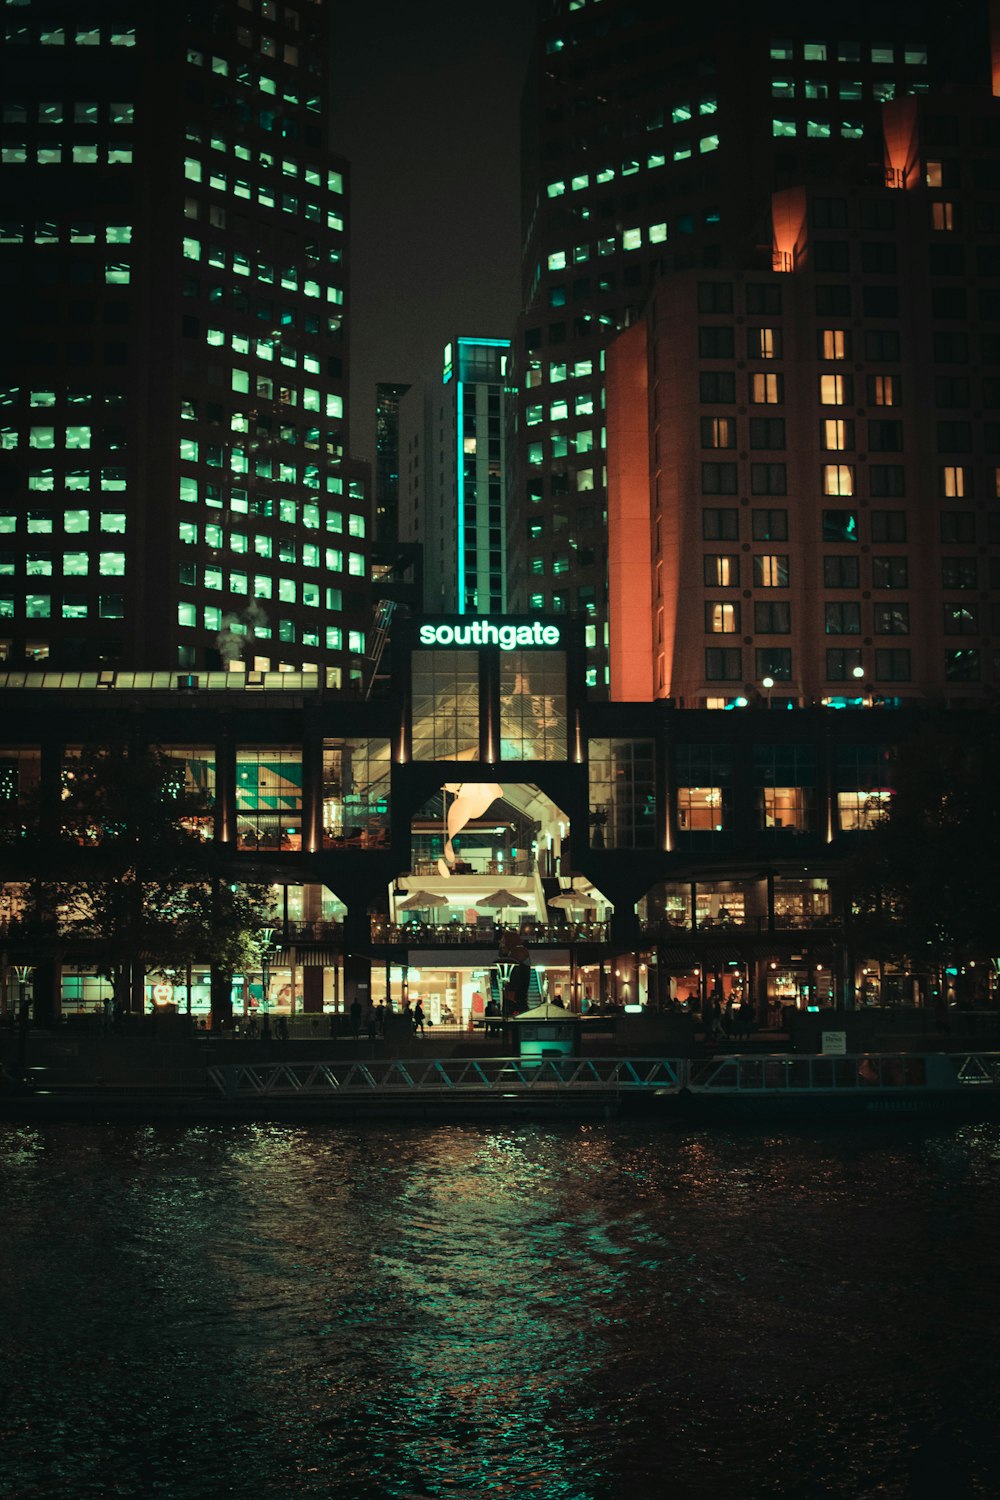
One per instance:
(387, 399)
(452, 477)
(653, 141)
(174, 376)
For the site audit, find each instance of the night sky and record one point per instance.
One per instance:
(426, 107)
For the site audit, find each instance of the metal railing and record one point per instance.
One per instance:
(498, 1075)
(775, 1073)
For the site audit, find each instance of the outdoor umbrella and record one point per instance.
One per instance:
(421, 901)
(577, 900)
(501, 899)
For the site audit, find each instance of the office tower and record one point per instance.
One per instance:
(653, 141)
(174, 368)
(387, 399)
(452, 478)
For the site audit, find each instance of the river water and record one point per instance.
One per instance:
(567, 1312)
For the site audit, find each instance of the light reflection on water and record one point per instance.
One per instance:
(562, 1312)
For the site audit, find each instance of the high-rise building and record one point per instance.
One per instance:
(387, 398)
(452, 478)
(173, 376)
(654, 139)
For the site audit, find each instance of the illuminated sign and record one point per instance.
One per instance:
(485, 633)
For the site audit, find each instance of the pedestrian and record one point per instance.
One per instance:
(407, 1014)
(418, 1018)
(282, 1029)
(355, 1018)
(373, 1019)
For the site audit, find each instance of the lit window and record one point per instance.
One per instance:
(766, 388)
(834, 343)
(953, 482)
(942, 216)
(111, 564)
(831, 390)
(783, 127)
(838, 479)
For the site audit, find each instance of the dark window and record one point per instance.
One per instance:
(958, 572)
(892, 664)
(842, 619)
(885, 437)
(772, 617)
(764, 298)
(881, 343)
(888, 525)
(961, 619)
(716, 343)
(946, 260)
(830, 255)
(773, 661)
(958, 526)
(717, 385)
(951, 348)
(767, 432)
(878, 213)
(961, 665)
(841, 572)
(886, 480)
(948, 302)
(952, 390)
(954, 436)
(879, 257)
(892, 619)
(880, 302)
(720, 525)
(723, 664)
(768, 479)
(715, 297)
(829, 213)
(841, 662)
(890, 573)
(718, 479)
(770, 525)
(833, 301)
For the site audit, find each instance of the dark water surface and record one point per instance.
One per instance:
(563, 1312)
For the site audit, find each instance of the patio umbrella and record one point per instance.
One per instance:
(421, 901)
(501, 899)
(575, 900)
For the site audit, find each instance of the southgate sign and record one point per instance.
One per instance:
(486, 633)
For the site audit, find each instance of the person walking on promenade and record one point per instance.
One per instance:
(373, 1021)
(418, 1018)
(355, 1018)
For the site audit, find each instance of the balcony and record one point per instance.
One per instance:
(486, 933)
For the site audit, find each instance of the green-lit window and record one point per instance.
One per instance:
(76, 564)
(334, 637)
(310, 595)
(187, 532)
(189, 449)
(263, 588)
(334, 559)
(310, 555)
(111, 564)
(38, 606)
(42, 437)
(187, 615)
(39, 522)
(238, 583)
(191, 248)
(213, 577)
(78, 437)
(74, 607)
(75, 521)
(117, 273)
(121, 114)
(85, 152)
(113, 520)
(356, 564)
(38, 565)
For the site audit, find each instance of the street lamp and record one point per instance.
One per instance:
(23, 973)
(858, 674)
(767, 683)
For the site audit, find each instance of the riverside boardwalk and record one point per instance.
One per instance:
(650, 1062)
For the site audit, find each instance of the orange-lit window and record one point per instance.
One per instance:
(883, 391)
(834, 343)
(942, 215)
(934, 174)
(996, 483)
(831, 390)
(766, 389)
(764, 343)
(834, 434)
(953, 484)
(838, 479)
(722, 570)
(722, 619)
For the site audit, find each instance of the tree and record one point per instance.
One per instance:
(143, 881)
(919, 884)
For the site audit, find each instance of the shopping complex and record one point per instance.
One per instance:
(480, 816)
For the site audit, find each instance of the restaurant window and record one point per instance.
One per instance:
(20, 769)
(191, 781)
(356, 793)
(533, 705)
(864, 786)
(703, 799)
(622, 789)
(801, 902)
(720, 904)
(269, 797)
(445, 711)
(667, 904)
